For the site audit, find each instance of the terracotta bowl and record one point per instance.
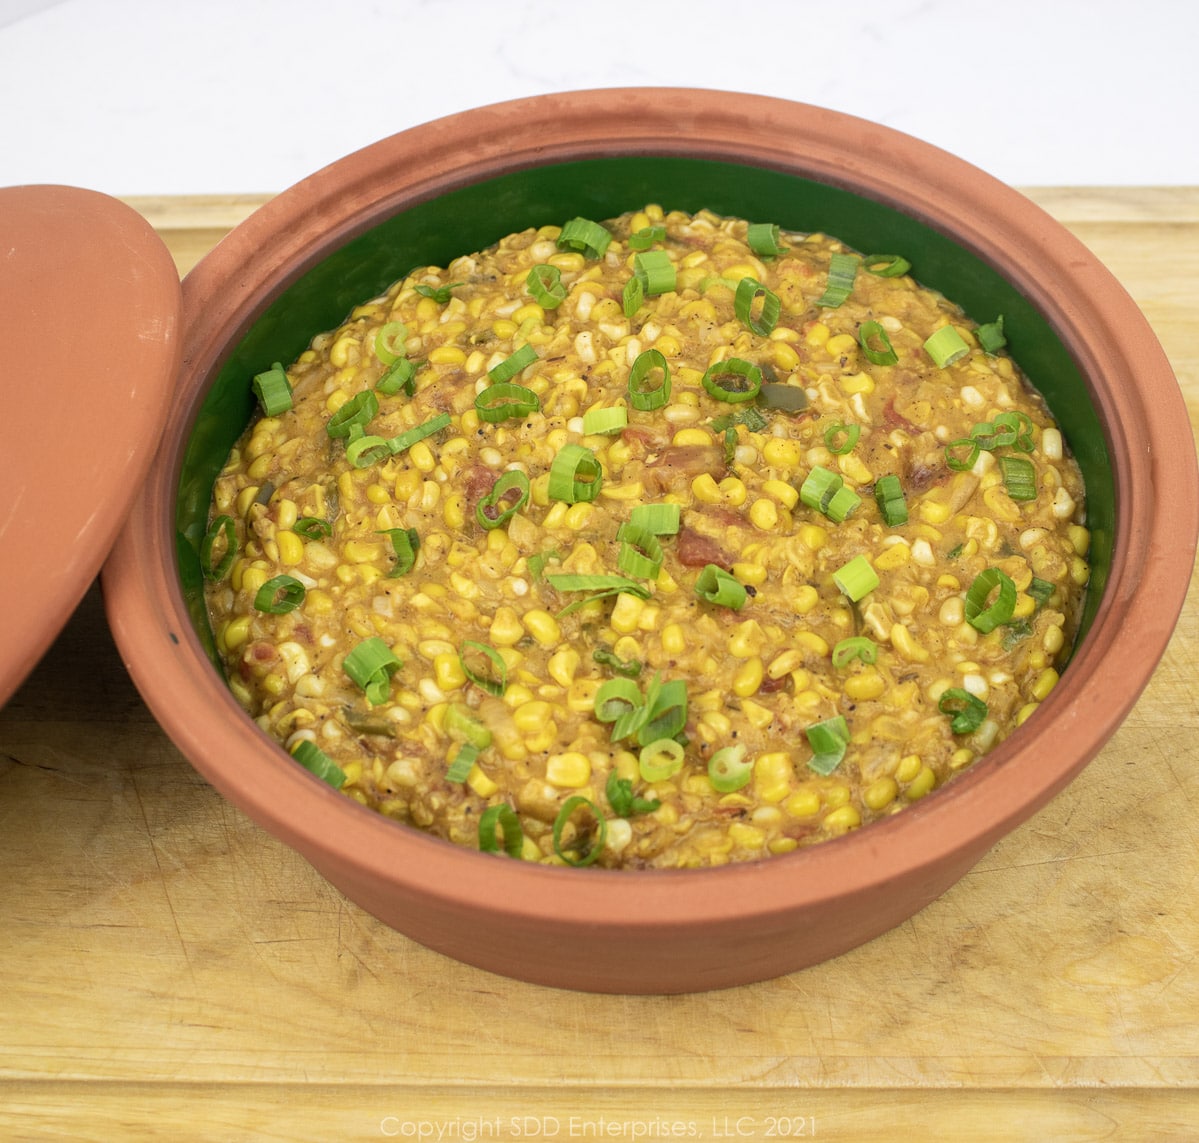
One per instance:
(299, 264)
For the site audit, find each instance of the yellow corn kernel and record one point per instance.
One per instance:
(360, 552)
(478, 781)
(802, 804)
(908, 648)
(252, 579)
(813, 536)
(407, 484)
(716, 725)
(750, 573)
(1080, 572)
(453, 510)
(817, 334)
(745, 640)
(506, 629)
(894, 556)
(840, 344)
(1044, 684)
(836, 796)
(692, 437)
(1080, 538)
(563, 665)
(880, 793)
(422, 458)
(343, 352)
(569, 770)
(758, 716)
(747, 836)
(705, 489)
(674, 641)
(810, 641)
(236, 632)
(842, 819)
(748, 677)
(447, 355)
(291, 548)
(1024, 607)
(854, 467)
(764, 514)
(933, 511)
(447, 671)
(857, 383)
(920, 785)
(632, 490)
(578, 516)
(783, 356)
(1002, 506)
(626, 613)
(867, 684)
(377, 494)
(909, 766)
(543, 627)
(532, 715)
(962, 757)
(780, 845)
(786, 494)
(781, 453)
(1023, 713)
(286, 514)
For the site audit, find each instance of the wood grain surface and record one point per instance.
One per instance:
(169, 971)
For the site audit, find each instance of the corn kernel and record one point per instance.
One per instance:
(543, 627)
(840, 344)
(705, 490)
(674, 640)
(506, 629)
(1044, 684)
(842, 820)
(745, 640)
(746, 836)
(236, 632)
(786, 494)
(867, 684)
(908, 648)
(920, 785)
(447, 355)
(894, 556)
(804, 599)
(781, 453)
(802, 804)
(764, 514)
(748, 678)
(1025, 711)
(813, 536)
(569, 770)
(784, 356)
(291, 548)
(750, 573)
(812, 642)
(880, 793)
(447, 671)
(478, 781)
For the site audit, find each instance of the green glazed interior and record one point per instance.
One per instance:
(473, 217)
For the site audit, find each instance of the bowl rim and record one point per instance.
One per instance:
(1157, 498)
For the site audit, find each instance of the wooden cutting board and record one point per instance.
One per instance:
(169, 971)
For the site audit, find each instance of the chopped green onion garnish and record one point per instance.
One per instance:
(715, 585)
(405, 542)
(1019, 477)
(840, 439)
(402, 375)
(491, 675)
(829, 740)
(358, 410)
(273, 389)
(888, 493)
(538, 561)
(363, 451)
(1018, 424)
(661, 759)
(462, 764)
(844, 502)
(505, 401)
(502, 817)
(856, 579)
(640, 552)
(642, 394)
(439, 294)
(624, 802)
(575, 475)
(855, 647)
(644, 238)
(954, 457)
(842, 270)
(603, 421)
(749, 416)
(656, 271)
(389, 342)
(946, 347)
(734, 380)
(279, 595)
(991, 336)
(588, 237)
(574, 582)
(312, 528)
(818, 489)
(513, 364)
(763, 239)
(787, 398)
(978, 614)
(1041, 590)
(886, 265)
(371, 664)
(968, 710)
(633, 296)
(626, 668)
(460, 722)
(617, 698)
(666, 711)
(870, 332)
(729, 770)
(544, 282)
(660, 519)
(224, 530)
(748, 292)
(491, 511)
(407, 439)
(314, 759)
(577, 802)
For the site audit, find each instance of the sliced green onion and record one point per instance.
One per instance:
(643, 396)
(666, 711)
(842, 270)
(595, 848)
(886, 265)
(573, 582)
(888, 493)
(632, 297)
(544, 282)
(1020, 425)
(644, 238)
(358, 410)
(748, 292)
(312, 528)
(406, 440)
(871, 331)
(513, 364)
(946, 347)
(763, 239)
(715, 585)
(640, 552)
(729, 284)
(617, 698)
(729, 770)
(585, 236)
(856, 579)
(459, 721)
(786, 398)
(991, 337)
(489, 512)
(389, 342)
(502, 818)
(656, 271)
(754, 420)
(402, 375)
(734, 380)
(968, 710)
(273, 389)
(315, 760)
(223, 529)
(538, 561)
(371, 664)
(844, 502)
(493, 676)
(1041, 590)
(1019, 477)
(279, 595)
(660, 519)
(855, 647)
(955, 460)
(505, 401)
(978, 614)
(439, 294)
(829, 740)
(840, 439)
(363, 451)
(405, 542)
(575, 475)
(626, 668)
(661, 759)
(462, 764)
(598, 422)
(619, 792)
(819, 487)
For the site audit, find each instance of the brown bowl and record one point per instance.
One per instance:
(301, 262)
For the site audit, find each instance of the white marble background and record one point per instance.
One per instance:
(247, 96)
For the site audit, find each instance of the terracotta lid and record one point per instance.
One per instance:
(89, 314)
